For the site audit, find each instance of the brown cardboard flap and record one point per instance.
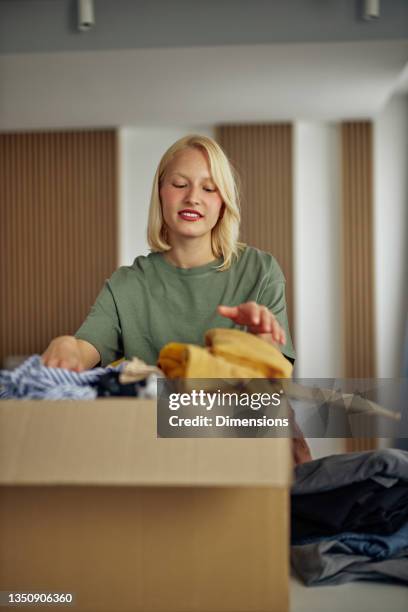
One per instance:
(114, 441)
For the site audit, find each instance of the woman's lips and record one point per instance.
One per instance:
(190, 215)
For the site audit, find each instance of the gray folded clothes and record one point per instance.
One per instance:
(385, 466)
(331, 562)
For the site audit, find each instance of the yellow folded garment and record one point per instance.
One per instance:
(229, 353)
(244, 349)
(191, 361)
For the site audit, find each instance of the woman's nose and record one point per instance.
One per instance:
(193, 194)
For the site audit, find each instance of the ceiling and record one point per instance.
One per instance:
(44, 26)
(45, 84)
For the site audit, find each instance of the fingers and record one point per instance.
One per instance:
(257, 318)
(244, 314)
(66, 364)
(71, 364)
(63, 352)
(269, 325)
(253, 313)
(264, 322)
(228, 311)
(282, 339)
(49, 362)
(267, 320)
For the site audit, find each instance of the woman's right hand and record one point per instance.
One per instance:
(69, 353)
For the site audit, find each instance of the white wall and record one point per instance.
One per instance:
(140, 150)
(317, 262)
(317, 250)
(391, 234)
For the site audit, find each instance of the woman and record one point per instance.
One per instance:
(198, 276)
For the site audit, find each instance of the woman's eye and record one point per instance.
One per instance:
(209, 189)
(178, 186)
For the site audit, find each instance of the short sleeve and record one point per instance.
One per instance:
(273, 297)
(102, 327)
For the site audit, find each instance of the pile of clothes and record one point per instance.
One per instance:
(228, 353)
(350, 518)
(33, 380)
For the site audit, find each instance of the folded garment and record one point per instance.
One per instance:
(190, 361)
(363, 492)
(332, 562)
(385, 466)
(360, 507)
(248, 350)
(229, 353)
(371, 545)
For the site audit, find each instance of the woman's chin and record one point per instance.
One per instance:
(190, 232)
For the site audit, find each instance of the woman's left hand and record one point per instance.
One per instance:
(257, 318)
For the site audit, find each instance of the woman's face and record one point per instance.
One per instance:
(191, 203)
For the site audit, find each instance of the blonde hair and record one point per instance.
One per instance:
(224, 236)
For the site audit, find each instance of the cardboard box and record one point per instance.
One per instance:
(94, 504)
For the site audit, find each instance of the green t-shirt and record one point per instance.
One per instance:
(144, 306)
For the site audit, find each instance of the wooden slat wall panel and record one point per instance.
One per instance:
(358, 262)
(361, 444)
(58, 232)
(262, 155)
